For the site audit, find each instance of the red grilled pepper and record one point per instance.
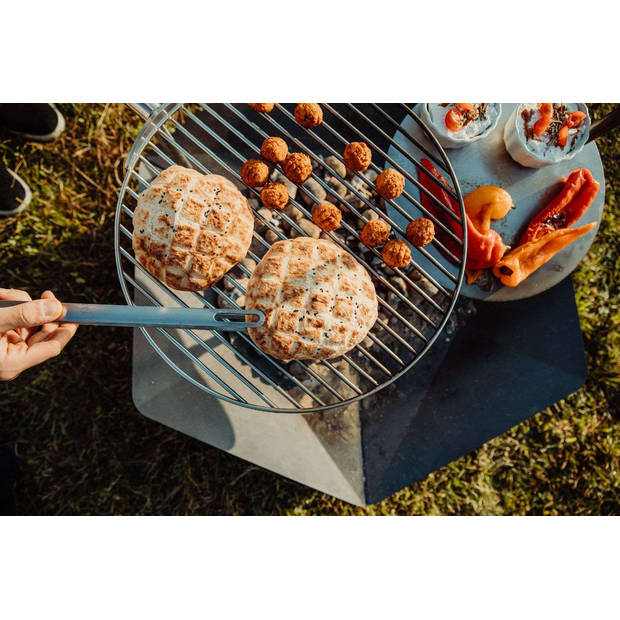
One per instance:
(566, 208)
(483, 249)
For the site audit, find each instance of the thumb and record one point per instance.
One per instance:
(30, 314)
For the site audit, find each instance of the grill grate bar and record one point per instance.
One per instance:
(175, 134)
(236, 174)
(387, 306)
(372, 250)
(305, 212)
(210, 350)
(221, 338)
(306, 367)
(185, 350)
(346, 183)
(415, 181)
(418, 144)
(355, 211)
(409, 197)
(324, 362)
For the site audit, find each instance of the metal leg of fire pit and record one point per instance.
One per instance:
(500, 364)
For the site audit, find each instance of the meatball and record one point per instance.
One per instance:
(262, 107)
(420, 232)
(375, 232)
(396, 253)
(274, 150)
(357, 156)
(255, 172)
(297, 167)
(274, 195)
(390, 183)
(327, 216)
(308, 114)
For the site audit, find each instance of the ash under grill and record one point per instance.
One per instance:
(413, 305)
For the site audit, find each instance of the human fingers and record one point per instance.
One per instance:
(30, 314)
(50, 347)
(13, 294)
(42, 334)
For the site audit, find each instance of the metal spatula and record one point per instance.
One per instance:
(154, 316)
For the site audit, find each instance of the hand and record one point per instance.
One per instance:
(29, 334)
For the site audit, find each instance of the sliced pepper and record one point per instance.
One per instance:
(454, 119)
(563, 136)
(546, 115)
(576, 195)
(574, 119)
(484, 249)
(525, 259)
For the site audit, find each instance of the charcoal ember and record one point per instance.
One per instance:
(259, 224)
(369, 214)
(271, 236)
(424, 283)
(257, 248)
(324, 235)
(290, 186)
(315, 188)
(400, 284)
(249, 264)
(310, 228)
(337, 186)
(293, 212)
(371, 176)
(336, 165)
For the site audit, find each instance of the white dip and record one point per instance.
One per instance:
(438, 112)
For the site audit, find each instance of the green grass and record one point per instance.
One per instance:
(84, 449)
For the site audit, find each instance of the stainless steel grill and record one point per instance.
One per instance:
(218, 138)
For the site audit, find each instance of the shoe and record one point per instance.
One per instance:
(15, 195)
(41, 122)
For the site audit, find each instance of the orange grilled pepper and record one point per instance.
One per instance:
(454, 119)
(576, 195)
(546, 114)
(468, 107)
(524, 260)
(563, 136)
(574, 119)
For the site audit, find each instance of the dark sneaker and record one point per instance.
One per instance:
(15, 195)
(35, 121)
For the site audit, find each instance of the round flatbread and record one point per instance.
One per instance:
(318, 301)
(191, 228)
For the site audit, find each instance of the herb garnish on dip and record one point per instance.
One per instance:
(541, 134)
(458, 124)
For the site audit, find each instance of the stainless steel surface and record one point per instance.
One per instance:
(154, 316)
(219, 138)
(486, 162)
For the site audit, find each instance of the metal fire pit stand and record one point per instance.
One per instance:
(494, 366)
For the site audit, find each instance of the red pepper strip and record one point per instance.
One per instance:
(483, 249)
(563, 136)
(574, 119)
(566, 208)
(524, 260)
(546, 115)
(454, 119)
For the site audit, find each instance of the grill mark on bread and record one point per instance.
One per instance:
(315, 298)
(204, 216)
